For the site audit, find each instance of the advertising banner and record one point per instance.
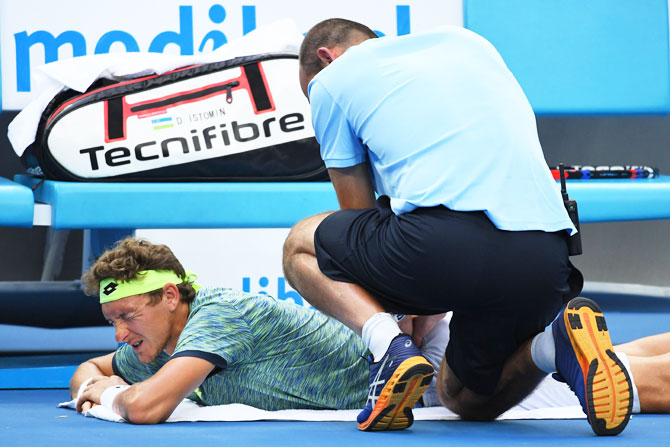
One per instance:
(34, 32)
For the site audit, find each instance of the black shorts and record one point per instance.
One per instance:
(503, 286)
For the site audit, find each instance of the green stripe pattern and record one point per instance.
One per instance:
(279, 355)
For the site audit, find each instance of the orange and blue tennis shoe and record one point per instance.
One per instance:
(397, 381)
(586, 361)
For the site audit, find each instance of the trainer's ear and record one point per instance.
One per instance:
(326, 55)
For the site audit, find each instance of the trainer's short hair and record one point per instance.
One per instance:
(330, 33)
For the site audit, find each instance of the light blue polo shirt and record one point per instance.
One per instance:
(442, 121)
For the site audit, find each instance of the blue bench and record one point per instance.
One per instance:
(110, 211)
(280, 205)
(621, 200)
(195, 205)
(16, 204)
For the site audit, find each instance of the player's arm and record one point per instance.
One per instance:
(97, 366)
(353, 186)
(153, 400)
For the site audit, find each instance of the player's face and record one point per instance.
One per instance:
(143, 326)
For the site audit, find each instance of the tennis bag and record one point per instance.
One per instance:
(245, 119)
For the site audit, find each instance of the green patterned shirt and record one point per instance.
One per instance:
(267, 353)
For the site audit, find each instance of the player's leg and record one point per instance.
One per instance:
(652, 379)
(647, 346)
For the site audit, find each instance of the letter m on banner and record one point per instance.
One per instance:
(51, 44)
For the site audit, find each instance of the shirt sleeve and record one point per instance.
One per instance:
(126, 364)
(340, 146)
(218, 333)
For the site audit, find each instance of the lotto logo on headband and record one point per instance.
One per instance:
(110, 288)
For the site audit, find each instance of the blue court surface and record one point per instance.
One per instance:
(30, 417)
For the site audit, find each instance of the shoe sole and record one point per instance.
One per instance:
(393, 410)
(606, 381)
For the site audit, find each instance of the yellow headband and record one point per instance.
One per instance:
(145, 281)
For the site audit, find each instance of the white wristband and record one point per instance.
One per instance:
(108, 396)
(82, 387)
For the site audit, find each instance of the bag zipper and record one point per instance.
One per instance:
(228, 87)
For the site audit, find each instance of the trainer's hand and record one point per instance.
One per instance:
(422, 324)
(91, 394)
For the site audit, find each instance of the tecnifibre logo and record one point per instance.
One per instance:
(186, 36)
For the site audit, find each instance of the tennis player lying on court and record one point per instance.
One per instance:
(219, 346)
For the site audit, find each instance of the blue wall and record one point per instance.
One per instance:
(582, 56)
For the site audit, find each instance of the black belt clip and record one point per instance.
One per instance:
(574, 241)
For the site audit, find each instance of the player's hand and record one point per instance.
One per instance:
(87, 406)
(91, 394)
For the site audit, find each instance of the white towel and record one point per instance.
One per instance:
(80, 72)
(189, 411)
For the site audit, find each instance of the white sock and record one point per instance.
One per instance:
(378, 332)
(543, 351)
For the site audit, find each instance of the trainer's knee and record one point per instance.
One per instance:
(290, 250)
(454, 396)
(300, 240)
(448, 387)
(467, 405)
